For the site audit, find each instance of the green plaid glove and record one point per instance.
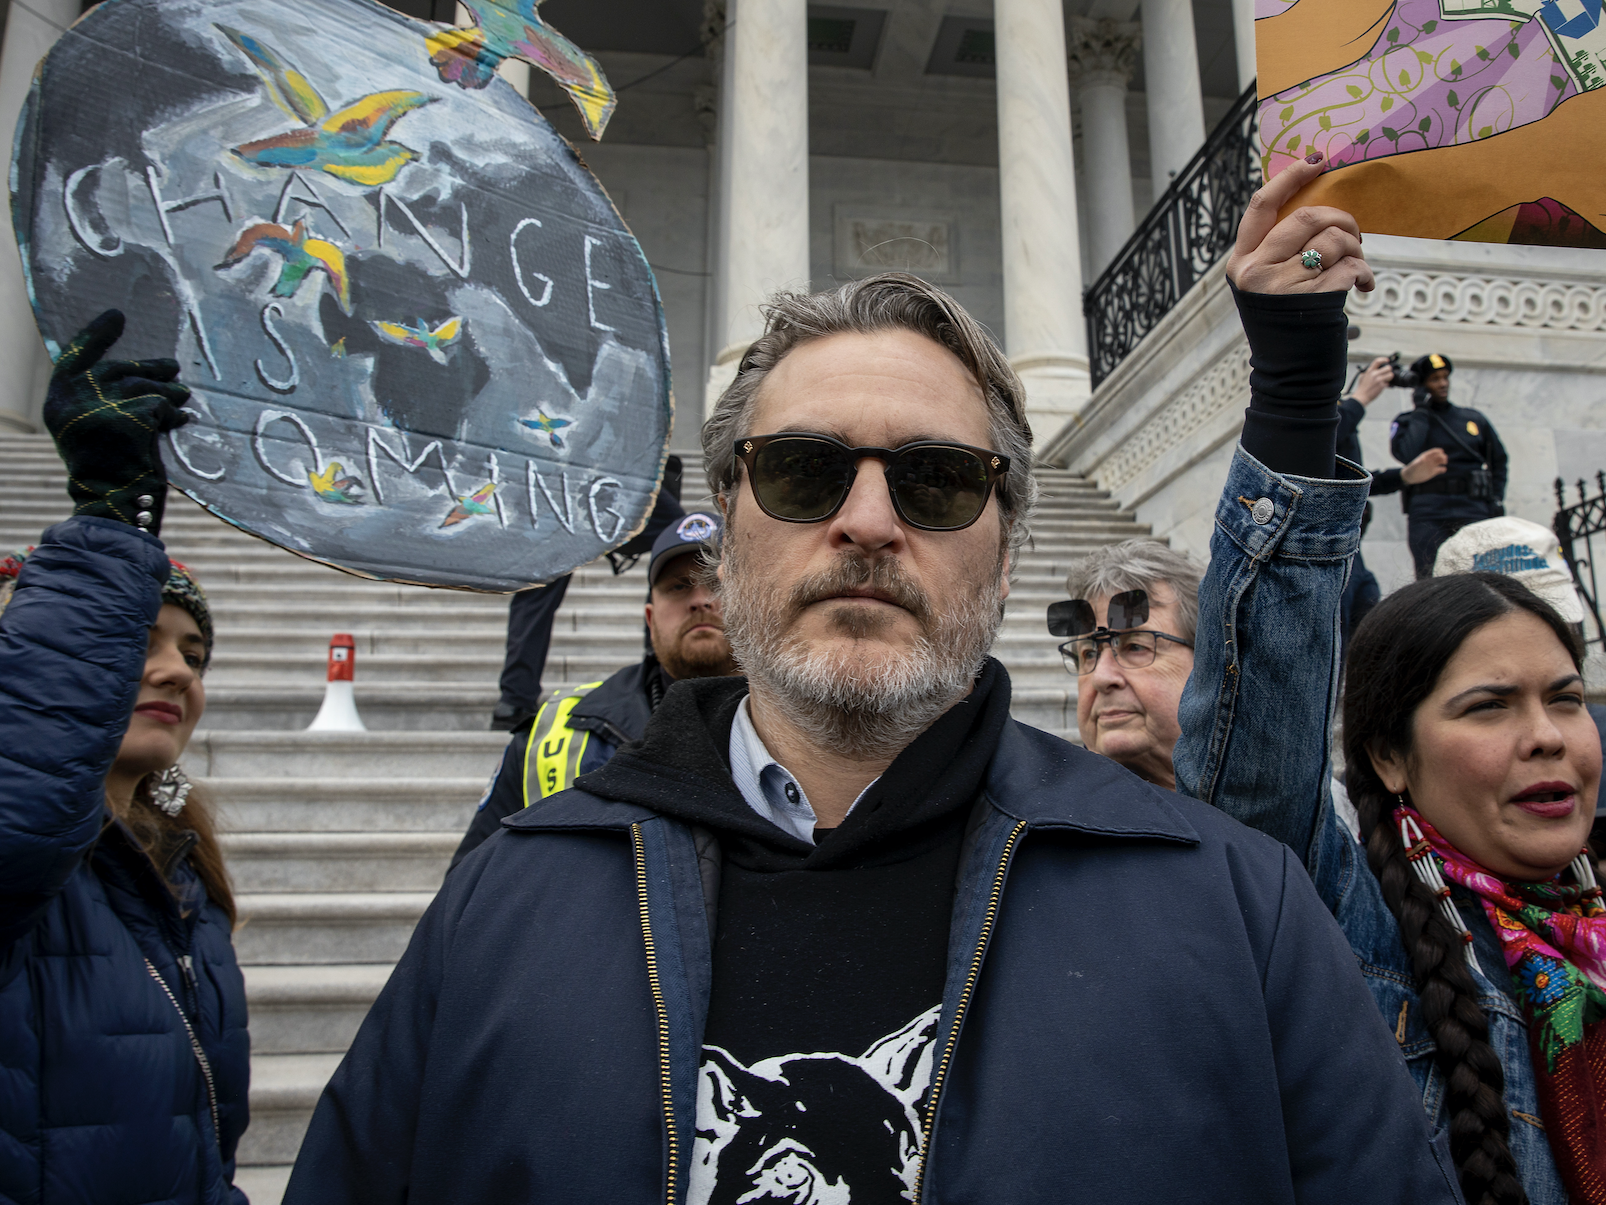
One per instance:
(106, 420)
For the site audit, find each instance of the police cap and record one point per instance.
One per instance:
(1431, 362)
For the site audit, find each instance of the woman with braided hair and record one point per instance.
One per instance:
(1471, 759)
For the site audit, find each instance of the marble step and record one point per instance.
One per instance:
(284, 1090)
(350, 755)
(369, 803)
(310, 1009)
(262, 862)
(299, 927)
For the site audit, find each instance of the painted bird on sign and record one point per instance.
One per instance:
(469, 505)
(349, 143)
(468, 57)
(332, 486)
(302, 255)
(548, 426)
(434, 340)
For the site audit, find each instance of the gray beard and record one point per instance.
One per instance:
(861, 704)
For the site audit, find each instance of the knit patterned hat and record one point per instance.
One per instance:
(181, 589)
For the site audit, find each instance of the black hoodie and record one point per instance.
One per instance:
(837, 949)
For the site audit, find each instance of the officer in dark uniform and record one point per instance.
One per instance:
(1474, 485)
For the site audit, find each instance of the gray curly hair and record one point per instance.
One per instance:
(889, 301)
(1137, 565)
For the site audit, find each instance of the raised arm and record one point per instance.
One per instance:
(74, 636)
(1258, 707)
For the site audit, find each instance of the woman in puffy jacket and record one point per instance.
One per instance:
(124, 1058)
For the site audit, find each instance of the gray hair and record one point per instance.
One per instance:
(889, 301)
(1138, 565)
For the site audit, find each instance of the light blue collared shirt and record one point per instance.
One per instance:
(767, 786)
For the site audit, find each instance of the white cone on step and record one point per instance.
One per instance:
(339, 710)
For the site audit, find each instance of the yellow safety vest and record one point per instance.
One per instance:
(552, 756)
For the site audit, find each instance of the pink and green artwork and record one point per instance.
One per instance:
(1482, 120)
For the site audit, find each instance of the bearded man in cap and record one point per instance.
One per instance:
(1473, 485)
(577, 730)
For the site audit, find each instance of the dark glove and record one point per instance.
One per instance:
(106, 420)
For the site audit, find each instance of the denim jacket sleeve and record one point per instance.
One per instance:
(1258, 707)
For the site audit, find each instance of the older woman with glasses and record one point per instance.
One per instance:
(1131, 622)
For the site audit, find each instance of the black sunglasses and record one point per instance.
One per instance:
(803, 478)
(1074, 617)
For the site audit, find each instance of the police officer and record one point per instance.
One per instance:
(576, 731)
(1474, 485)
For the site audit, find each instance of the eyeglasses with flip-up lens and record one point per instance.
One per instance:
(1131, 645)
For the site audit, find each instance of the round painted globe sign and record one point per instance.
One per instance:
(423, 345)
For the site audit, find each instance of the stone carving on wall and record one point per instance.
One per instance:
(1222, 387)
(922, 243)
(1482, 301)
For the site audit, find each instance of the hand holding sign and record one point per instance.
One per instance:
(1270, 255)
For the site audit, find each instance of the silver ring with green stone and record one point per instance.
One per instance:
(1311, 258)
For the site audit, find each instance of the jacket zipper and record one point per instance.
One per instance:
(195, 1044)
(965, 993)
(665, 1086)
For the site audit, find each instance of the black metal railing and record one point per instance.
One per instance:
(1576, 526)
(1190, 228)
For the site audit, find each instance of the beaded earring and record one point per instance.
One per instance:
(1426, 868)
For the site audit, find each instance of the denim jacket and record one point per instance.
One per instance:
(1256, 717)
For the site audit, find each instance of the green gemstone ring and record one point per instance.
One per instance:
(1311, 258)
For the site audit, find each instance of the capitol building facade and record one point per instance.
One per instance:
(1014, 152)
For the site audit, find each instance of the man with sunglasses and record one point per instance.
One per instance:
(844, 931)
(1131, 649)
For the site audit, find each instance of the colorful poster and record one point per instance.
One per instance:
(1482, 120)
(424, 346)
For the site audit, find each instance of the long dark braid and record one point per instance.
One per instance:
(1394, 661)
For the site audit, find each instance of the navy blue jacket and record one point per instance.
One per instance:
(101, 1097)
(1145, 1001)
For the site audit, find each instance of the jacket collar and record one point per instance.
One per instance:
(1053, 784)
(1035, 777)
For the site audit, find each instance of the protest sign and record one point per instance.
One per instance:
(424, 346)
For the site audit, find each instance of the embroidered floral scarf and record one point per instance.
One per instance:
(1553, 936)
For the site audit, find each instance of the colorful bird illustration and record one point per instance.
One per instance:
(469, 505)
(433, 340)
(468, 57)
(331, 486)
(348, 143)
(302, 254)
(548, 426)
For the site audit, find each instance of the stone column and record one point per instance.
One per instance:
(24, 365)
(1044, 332)
(1102, 54)
(1243, 36)
(1171, 75)
(764, 172)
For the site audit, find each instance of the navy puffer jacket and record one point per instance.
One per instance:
(102, 1098)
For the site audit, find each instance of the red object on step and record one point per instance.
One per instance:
(342, 657)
